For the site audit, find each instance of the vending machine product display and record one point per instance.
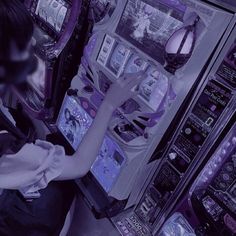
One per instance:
(57, 41)
(163, 38)
(208, 207)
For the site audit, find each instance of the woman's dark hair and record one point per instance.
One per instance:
(15, 25)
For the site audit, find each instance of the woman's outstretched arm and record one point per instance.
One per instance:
(80, 163)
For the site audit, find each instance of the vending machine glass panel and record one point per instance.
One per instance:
(149, 24)
(57, 33)
(37, 79)
(53, 12)
(153, 37)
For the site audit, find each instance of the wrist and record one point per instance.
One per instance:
(107, 107)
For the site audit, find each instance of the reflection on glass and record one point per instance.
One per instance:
(53, 12)
(73, 121)
(38, 79)
(42, 39)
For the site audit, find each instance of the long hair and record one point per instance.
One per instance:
(16, 25)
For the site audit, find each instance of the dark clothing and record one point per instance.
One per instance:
(44, 216)
(18, 135)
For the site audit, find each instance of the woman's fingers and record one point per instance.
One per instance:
(136, 81)
(132, 77)
(135, 93)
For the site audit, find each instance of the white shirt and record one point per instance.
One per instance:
(32, 168)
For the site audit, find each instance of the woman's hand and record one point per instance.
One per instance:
(122, 90)
(82, 160)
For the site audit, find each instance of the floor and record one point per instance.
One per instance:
(80, 220)
(85, 224)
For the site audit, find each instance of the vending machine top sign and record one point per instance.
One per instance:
(55, 22)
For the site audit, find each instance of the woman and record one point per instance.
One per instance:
(27, 173)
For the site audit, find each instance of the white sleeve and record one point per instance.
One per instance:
(32, 168)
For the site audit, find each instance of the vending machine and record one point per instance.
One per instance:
(169, 40)
(209, 208)
(212, 194)
(58, 42)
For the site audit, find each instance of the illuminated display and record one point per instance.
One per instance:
(42, 39)
(53, 12)
(135, 64)
(73, 122)
(177, 225)
(149, 24)
(37, 79)
(113, 56)
(118, 59)
(108, 164)
(154, 88)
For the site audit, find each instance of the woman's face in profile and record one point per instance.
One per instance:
(17, 55)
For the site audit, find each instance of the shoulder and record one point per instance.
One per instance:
(3, 132)
(7, 142)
